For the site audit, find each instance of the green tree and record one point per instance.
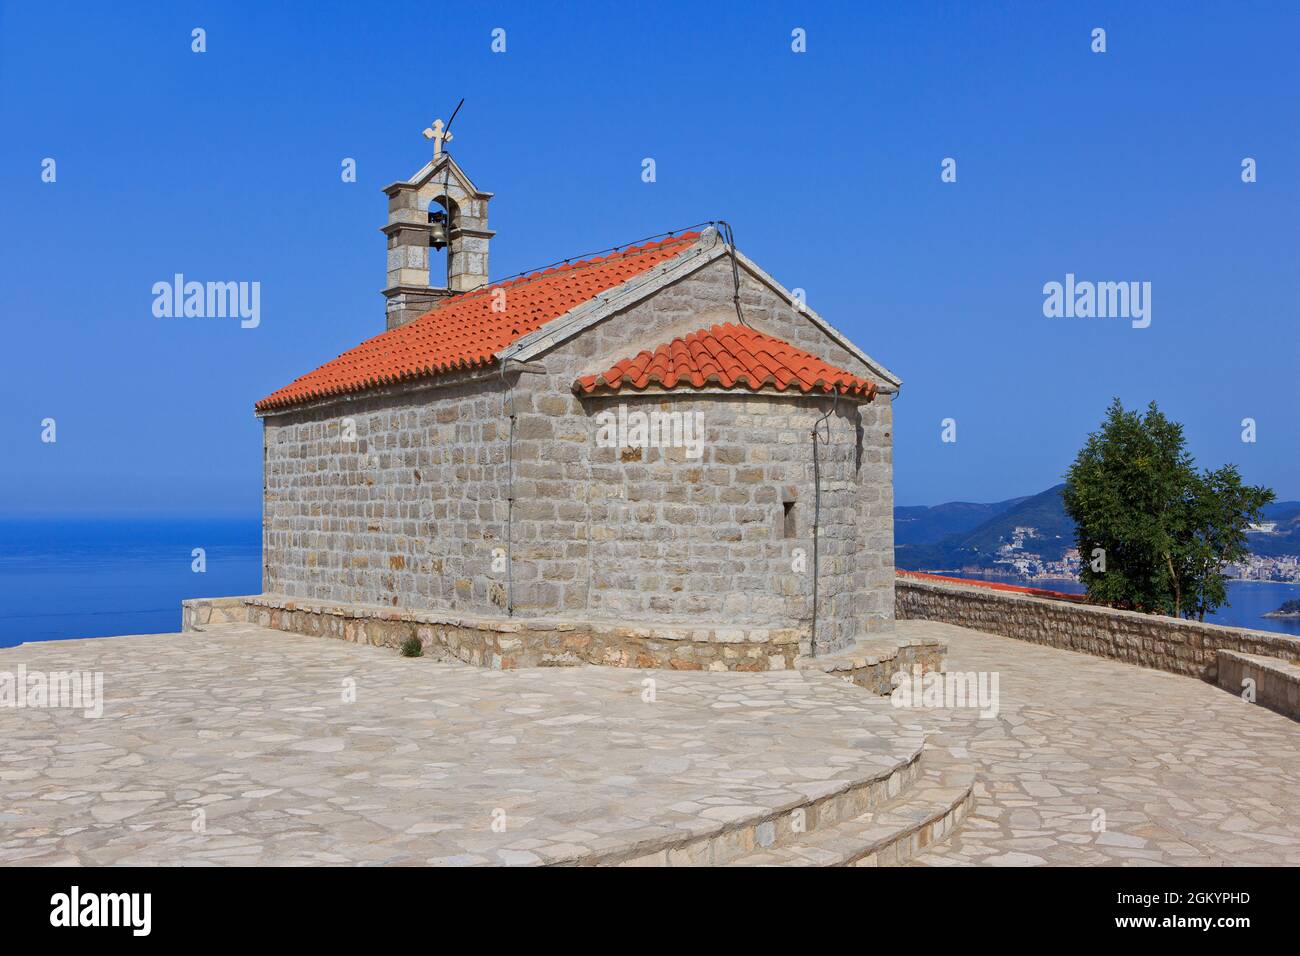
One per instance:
(1219, 509)
(1153, 534)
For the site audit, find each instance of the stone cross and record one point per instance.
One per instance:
(435, 133)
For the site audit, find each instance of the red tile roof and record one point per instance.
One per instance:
(993, 585)
(465, 331)
(728, 356)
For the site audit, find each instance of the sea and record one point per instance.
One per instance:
(68, 578)
(71, 578)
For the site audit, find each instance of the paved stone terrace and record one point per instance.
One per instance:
(1186, 773)
(249, 725)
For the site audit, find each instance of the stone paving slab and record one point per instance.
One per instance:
(246, 731)
(1184, 772)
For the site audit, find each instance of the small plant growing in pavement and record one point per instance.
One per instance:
(411, 647)
(1167, 530)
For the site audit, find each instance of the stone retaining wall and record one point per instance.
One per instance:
(1276, 683)
(508, 643)
(1163, 643)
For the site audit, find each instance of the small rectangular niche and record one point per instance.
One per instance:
(788, 527)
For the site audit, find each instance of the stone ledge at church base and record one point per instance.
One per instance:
(508, 643)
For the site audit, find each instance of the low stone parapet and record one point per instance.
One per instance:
(196, 613)
(507, 643)
(1272, 683)
(1151, 640)
(873, 663)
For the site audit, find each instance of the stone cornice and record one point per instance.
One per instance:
(450, 379)
(688, 392)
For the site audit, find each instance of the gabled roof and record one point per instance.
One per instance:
(467, 330)
(432, 167)
(710, 248)
(728, 356)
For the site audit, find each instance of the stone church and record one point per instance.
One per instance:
(653, 457)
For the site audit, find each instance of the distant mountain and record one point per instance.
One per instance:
(1279, 510)
(1285, 536)
(929, 525)
(953, 541)
(965, 536)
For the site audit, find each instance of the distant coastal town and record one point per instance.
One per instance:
(1017, 558)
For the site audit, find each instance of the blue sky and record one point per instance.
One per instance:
(1122, 166)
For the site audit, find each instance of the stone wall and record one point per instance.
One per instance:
(681, 538)
(396, 500)
(401, 499)
(1163, 643)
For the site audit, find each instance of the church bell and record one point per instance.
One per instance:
(438, 230)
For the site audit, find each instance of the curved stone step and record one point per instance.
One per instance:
(721, 846)
(924, 814)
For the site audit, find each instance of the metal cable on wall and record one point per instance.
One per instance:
(817, 510)
(510, 505)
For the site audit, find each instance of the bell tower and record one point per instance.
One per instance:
(439, 207)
